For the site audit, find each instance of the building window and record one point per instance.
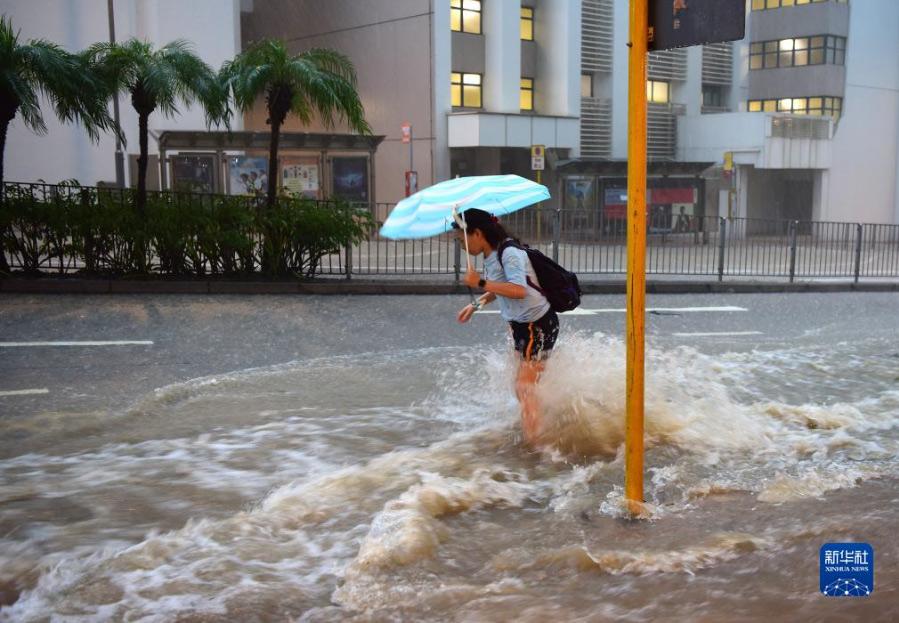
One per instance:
(465, 16)
(527, 23)
(817, 106)
(713, 96)
(586, 85)
(798, 52)
(836, 50)
(657, 92)
(762, 5)
(465, 90)
(527, 94)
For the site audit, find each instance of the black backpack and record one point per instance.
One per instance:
(559, 286)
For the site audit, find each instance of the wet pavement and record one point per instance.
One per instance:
(196, 336)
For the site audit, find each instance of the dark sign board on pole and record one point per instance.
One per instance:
(682, 23)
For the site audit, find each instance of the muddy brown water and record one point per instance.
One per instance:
(394, 487)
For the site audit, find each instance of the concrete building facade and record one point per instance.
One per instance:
(65, 152)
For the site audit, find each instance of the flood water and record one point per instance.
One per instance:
(393, 486)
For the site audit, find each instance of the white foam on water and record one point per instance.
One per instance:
(330, 513)
(300, 535)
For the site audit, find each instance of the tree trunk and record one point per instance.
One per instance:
(278, 103)
(272, 190)
(142, 159)
(5, 120)
(140, 200)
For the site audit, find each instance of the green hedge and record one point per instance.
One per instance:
(69, 228)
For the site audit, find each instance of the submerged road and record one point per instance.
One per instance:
(76, 353)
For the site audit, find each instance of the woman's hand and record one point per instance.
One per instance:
(465, 314)
(471, 278)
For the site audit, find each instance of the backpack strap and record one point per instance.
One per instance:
(509, 242)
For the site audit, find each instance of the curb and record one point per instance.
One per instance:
(344, 287)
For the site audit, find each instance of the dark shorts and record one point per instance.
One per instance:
(535, 340)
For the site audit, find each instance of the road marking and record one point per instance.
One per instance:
(25, 392)
(83, 343)
(716, 334)
(674, 310)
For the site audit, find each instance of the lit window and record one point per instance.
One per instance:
(527, 23)
(761, 5)
(786, 53)
(797, 52)
(657, 92)
(527, 94)
(465, 16)
(465, 90)
(816, 51)
(799, 106)
(586, 85)
(800, 52)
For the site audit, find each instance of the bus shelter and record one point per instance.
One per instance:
(318, 166)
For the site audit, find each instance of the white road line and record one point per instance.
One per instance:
(25, 392)
(674, 310)
(714, 334)
(84, 343)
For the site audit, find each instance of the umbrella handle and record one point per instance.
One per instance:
(460, 220)
(459, 217)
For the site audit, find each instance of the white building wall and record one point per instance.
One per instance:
(558, 27)
(692, 86)
(863, 176)
(441, 59)
(619, 81)
(502, 56)
(65, 152)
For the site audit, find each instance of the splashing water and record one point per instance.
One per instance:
(395, 485)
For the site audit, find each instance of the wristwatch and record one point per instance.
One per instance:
(482, 283)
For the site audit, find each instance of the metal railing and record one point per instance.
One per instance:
(583, 240)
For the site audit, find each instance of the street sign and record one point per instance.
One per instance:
(407, 132)
(682, 23)
(538, 157)
(411, 182)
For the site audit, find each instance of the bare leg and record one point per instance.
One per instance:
(525, 388)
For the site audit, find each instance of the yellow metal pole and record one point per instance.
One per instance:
(636, 252)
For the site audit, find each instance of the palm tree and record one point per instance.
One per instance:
(40, 68)
(316, 81)
(158, 80)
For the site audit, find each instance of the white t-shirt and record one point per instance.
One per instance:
(516, 268)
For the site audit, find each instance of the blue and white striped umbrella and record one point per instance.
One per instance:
(430, 212)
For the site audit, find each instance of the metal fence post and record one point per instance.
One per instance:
(722, 236)
(794, 227)
(457, 259)
(858, 250)
(557, 229)
(348, 268)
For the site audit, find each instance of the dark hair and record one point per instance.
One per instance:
(489, 225)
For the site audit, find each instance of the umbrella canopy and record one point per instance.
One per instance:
(430, 211)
